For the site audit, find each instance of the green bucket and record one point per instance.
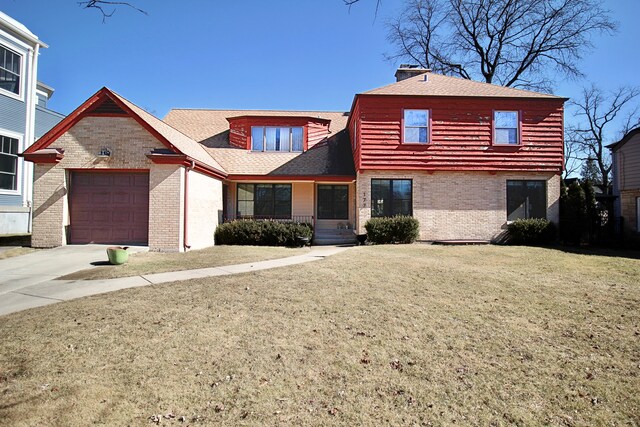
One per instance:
(117, 255)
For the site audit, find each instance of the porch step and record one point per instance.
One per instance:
(333, 237)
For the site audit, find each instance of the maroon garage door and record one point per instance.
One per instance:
(109, 207)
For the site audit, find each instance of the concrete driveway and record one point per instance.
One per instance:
(19, 273)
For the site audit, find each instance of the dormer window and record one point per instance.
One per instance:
(271, 138)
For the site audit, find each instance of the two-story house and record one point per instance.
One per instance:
(461, 156)
(626, 182)
(24, 116)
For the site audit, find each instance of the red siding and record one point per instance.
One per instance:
(461, 132)
(239, 133)
(314, 130)
(317, 131)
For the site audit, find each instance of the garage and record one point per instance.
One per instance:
(109, 207)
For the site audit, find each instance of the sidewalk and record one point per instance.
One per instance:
(53, 291)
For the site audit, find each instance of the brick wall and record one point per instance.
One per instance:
(457, 205)
(205, 209)
(128, 143)
(49, 200)
(166, 207)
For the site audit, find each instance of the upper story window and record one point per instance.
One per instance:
(8, 163)
(269, 138)
(416, 126)
(506, 127)
(10, 70)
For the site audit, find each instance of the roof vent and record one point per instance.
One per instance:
(107, 107)
(406, 71)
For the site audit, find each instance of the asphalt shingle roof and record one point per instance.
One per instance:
(439, 85)
(178, 139)
(210, 128)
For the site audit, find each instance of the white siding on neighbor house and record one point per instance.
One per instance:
(15, 214)
(628, 163)
(45, 120)
(204, 211)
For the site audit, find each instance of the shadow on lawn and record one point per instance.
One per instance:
(598, 251)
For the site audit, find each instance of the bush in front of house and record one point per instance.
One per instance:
(396, 229)
(262, 233)
(533, 231)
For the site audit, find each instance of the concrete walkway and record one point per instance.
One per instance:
(27, 291)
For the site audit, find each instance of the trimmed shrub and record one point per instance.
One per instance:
(534, 231)
(397, 229)
(262, 233)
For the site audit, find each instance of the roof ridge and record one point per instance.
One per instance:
(257, 109)
(515, 91)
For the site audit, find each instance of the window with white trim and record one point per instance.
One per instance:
(10, 63)
(416, 126)
(506, 129)
(272, 138)
(8, 163)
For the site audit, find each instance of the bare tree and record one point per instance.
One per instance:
(513, 43)
(597, 112)
(101, 6)
(572, 156)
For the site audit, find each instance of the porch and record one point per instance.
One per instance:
(328, 206)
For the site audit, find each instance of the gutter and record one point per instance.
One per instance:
(30, 98)
(185, 225)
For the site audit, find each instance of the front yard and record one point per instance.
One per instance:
(157, 262)
(387, 335)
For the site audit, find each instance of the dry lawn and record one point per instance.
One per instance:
(11, 252)
(390, 335)
(156, 262)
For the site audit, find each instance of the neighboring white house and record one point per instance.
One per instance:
(626, 181)
(23, 118)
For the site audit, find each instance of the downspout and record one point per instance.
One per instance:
(30, 131)
(185, 226)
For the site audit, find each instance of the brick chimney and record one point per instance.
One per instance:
(409, 70)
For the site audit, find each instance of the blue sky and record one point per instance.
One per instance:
(250, 54)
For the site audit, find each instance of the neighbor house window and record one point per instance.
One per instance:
(263, 201)
(638, 214)
(506, 127)
(9, 70)
(416, 126)
(333, 202)
(526, 199)
(8, 163)
(269, 138)
(390, 197)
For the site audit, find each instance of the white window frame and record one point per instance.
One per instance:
(20, 161)
(518, 129)
(20, 95)
(428, 126)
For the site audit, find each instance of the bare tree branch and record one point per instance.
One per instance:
(515, 43)
(101, 4)
(598, 112)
